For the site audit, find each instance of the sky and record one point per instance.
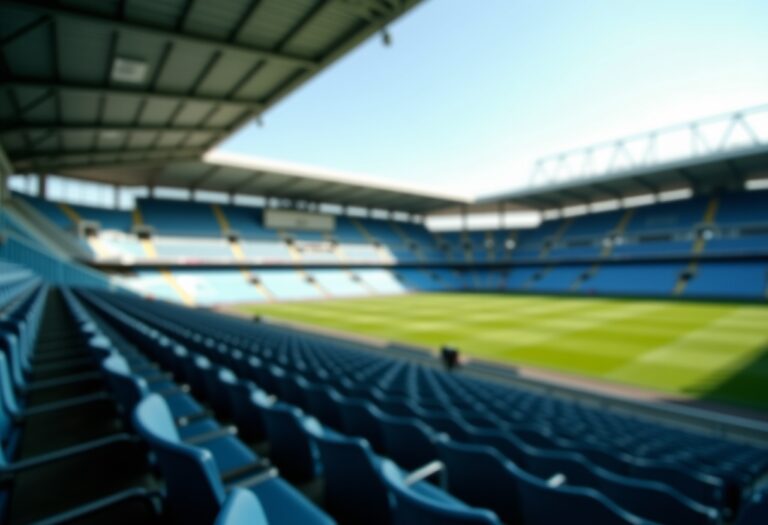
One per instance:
(470, 93)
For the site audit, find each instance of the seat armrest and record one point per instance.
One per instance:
(257, 467)
(424, 472)
(257, 479)
(209, 436)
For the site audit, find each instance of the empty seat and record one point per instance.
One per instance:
(411, 507)
(481, 476)
(195, 491)
(408, 441)
(242, 507)
(353, 490)
(290, 447)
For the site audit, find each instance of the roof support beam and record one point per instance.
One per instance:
(48, 158)
(608, 191)
(207, 174)
(248, 181)
(44, 7)
(96, 128)
(686, 176)
(24, 30)
(103, 91)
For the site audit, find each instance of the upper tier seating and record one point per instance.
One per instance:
(195, 220)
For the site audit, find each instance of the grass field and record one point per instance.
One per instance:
(705, 350)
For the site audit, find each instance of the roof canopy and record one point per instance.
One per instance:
(728, 170)
(137, 82)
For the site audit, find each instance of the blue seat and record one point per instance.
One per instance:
(480, 475)
(129, 389)
(412, 507)
(194, 488)
(246, 400)
(361, 418)
(703, 488)
(323, 403)
(354, 490)
(755, 510)
(242, 507)
(291, 450)
(407, 441)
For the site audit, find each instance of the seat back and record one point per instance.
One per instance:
(194, 492)
(410, 507)
(8, 401)
(354, 490)
(246, 413)
(127, 388)
(755, 511)
(323, 403)
(408, 441)
(291, 449)
(242, 508)
(476, 475)
(360, 418)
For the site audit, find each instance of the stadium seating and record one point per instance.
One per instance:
(697, 493)
(335, 412)
(567, 255)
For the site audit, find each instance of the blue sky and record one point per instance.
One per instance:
(471, 92)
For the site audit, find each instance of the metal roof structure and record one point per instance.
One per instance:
(720, 152)
(110, 83)
(242, 174)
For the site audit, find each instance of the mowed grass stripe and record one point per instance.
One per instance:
(704, 349)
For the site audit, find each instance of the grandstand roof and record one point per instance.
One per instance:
(129, 82)
(719, 152)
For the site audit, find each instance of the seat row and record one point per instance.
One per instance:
(712, 471)
(409, 441)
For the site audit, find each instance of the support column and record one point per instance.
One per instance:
(464, 218)
(5, 172)
(502, 216)
(42, 187)
(116, 196)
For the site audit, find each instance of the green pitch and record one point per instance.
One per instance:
(704, 350)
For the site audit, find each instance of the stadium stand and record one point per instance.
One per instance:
(313, 399)
(659, 244)
(126, 398)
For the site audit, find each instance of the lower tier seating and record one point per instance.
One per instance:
(389, 428)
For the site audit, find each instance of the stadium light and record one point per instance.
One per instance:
(129, 70)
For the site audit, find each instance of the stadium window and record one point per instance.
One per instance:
(211, 196)
(674, 195)
(639, 200)
(249, 200)
(756, 184)
(128, 195)
(609, 205)
(444, 223)
(164, 192)
(548, 215)
(327, 207)
(20, 184)
(571, 211)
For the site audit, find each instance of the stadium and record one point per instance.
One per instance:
(191, 334)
